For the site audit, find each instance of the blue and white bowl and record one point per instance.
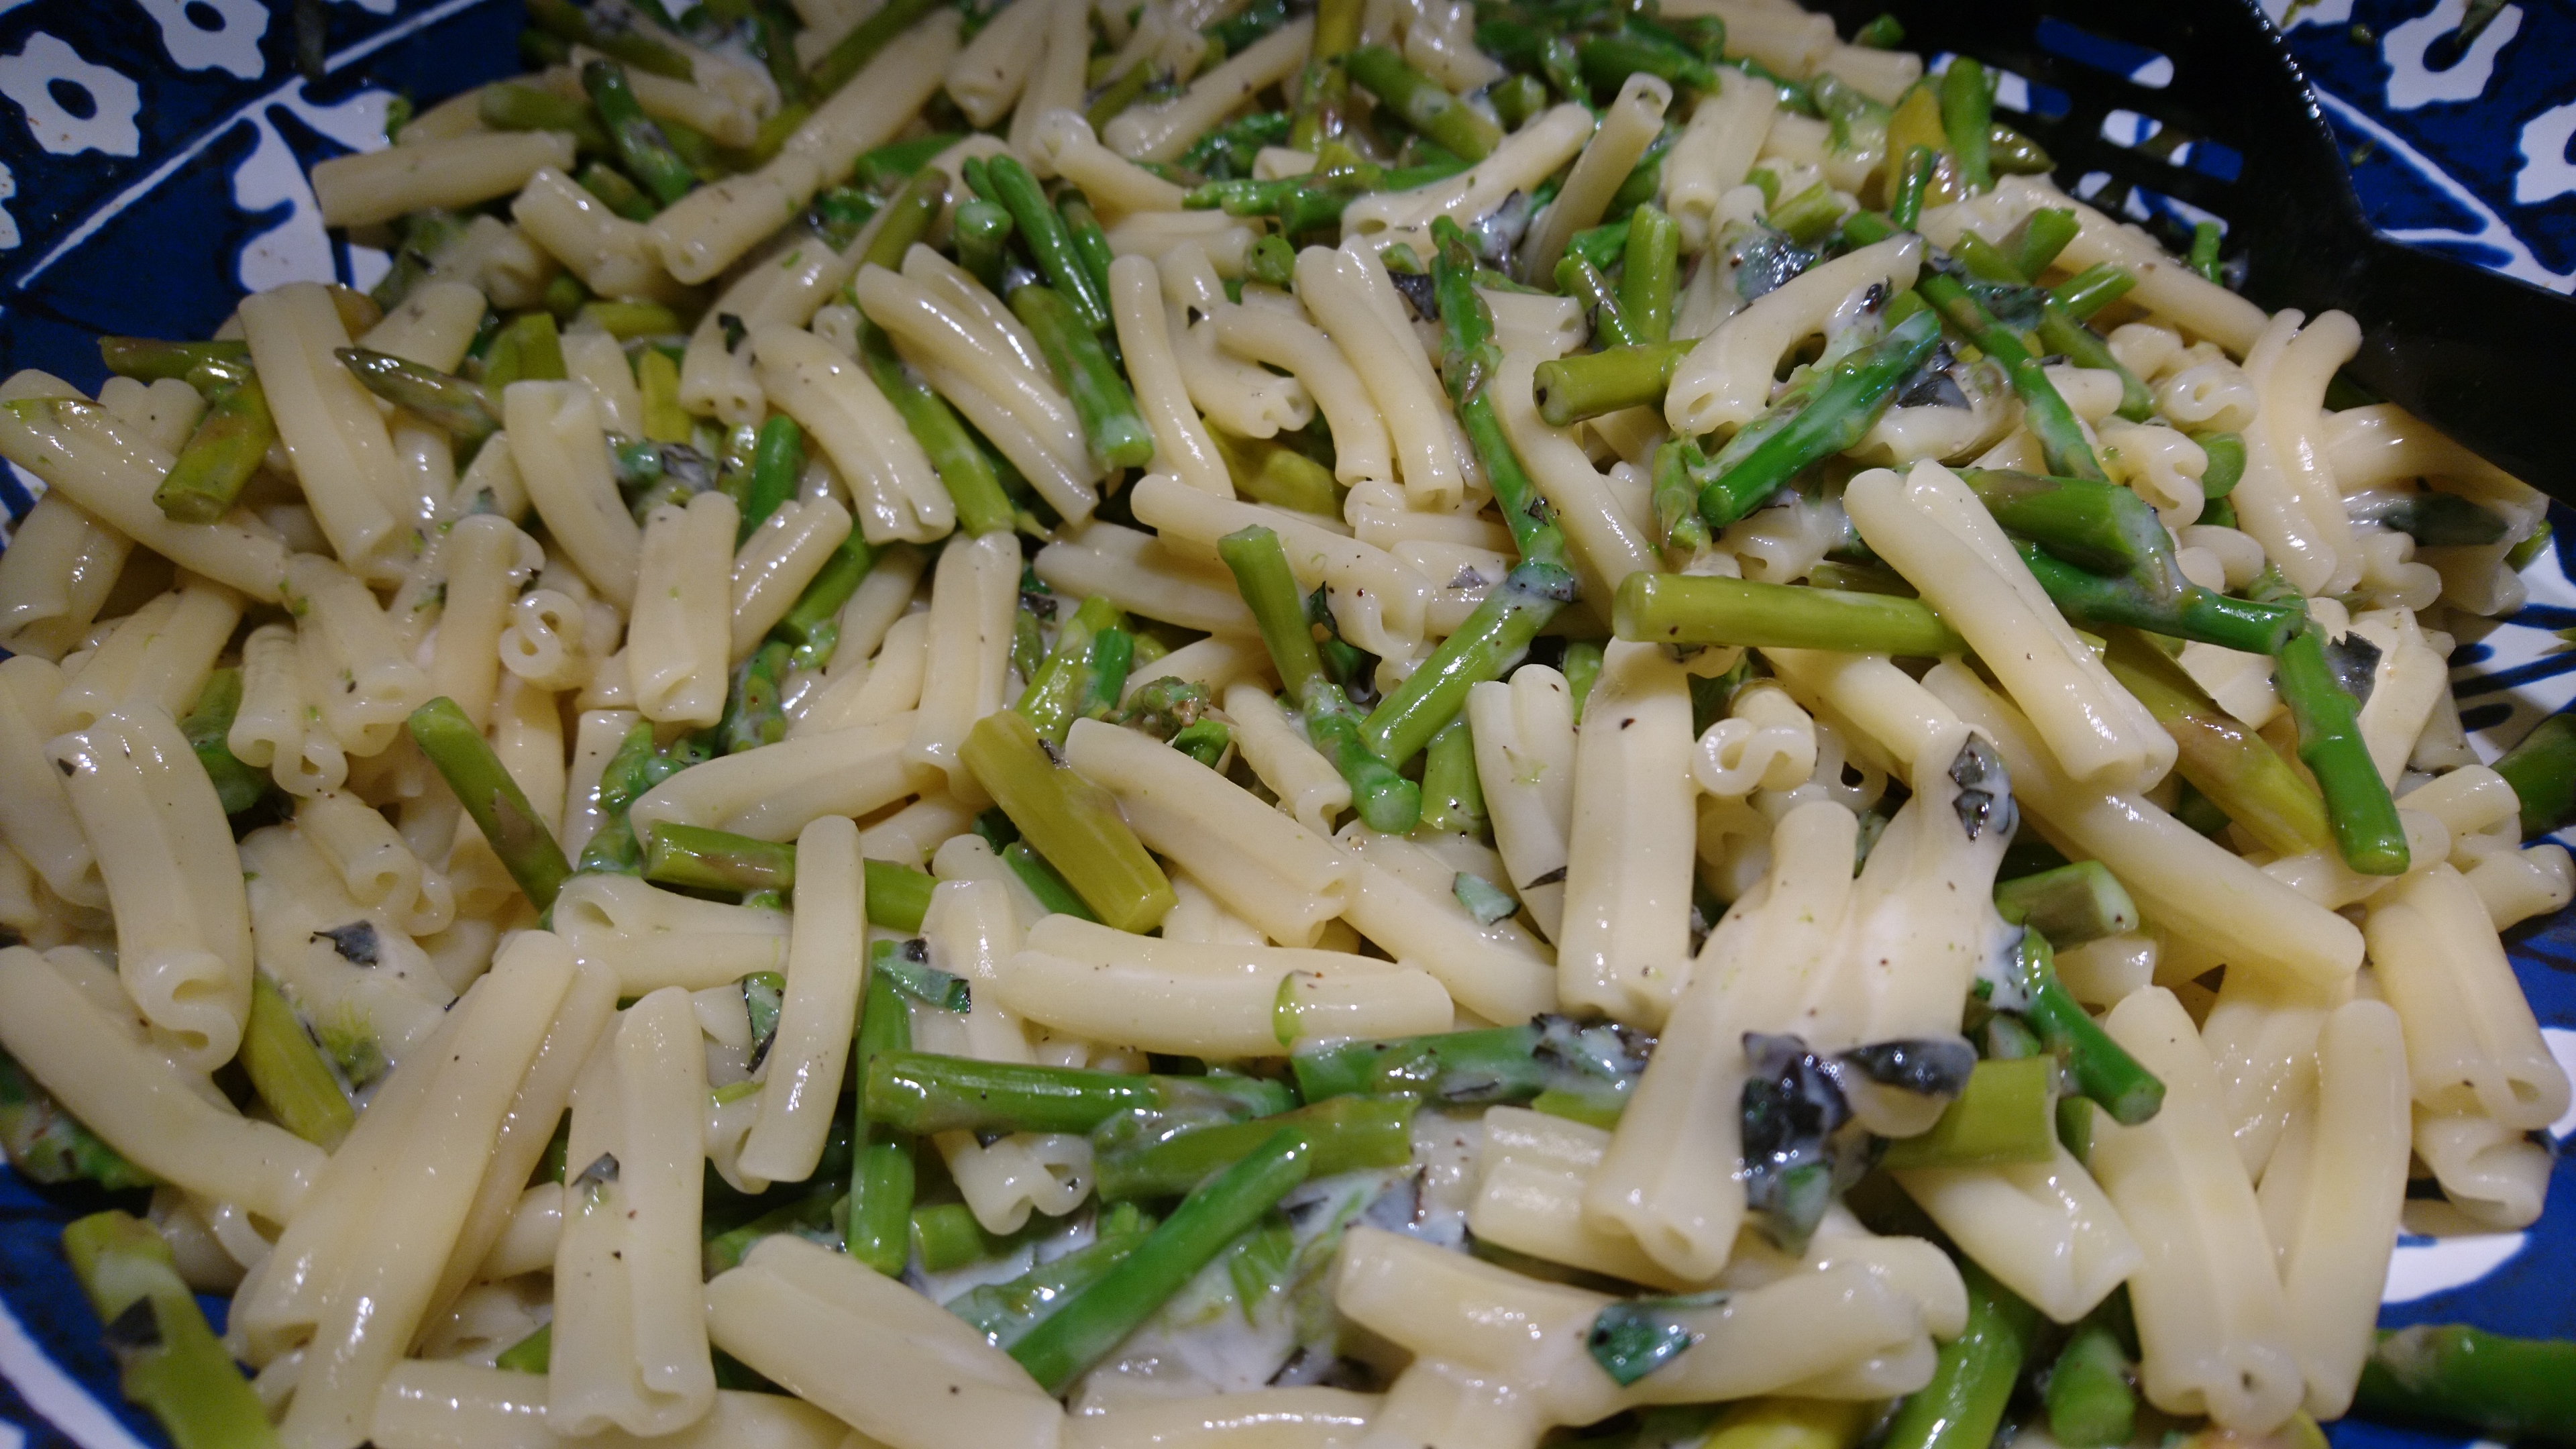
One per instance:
(152, 163)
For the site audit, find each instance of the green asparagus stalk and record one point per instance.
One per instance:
(948, 1237)
(2191, 612)
(982, 506)
(1589, 384)
(2059, 332)
(1499, 632)
(565, 21)
(2043, 236)
(908, 218)
(2072, 903)
(1057, 688)
(169, 1360)
(529, 349)
(1806, 217)
(2101, 526)
(1607, 60)
(1051, 242)
(47, 1144)
(2090, 1402)
(1986, 261)
(700, 857)
(1321, 93)
(498, 806)
(2092, 289)
(149, 359)
(777, 461)
(2204, 249)
(1804, 427)
(1101, 399)
(1497, 1064)
(643, 148)
(1453, 799)
(1274, 473)
(878, 1230)
(1913, 178)
(1259, 562)
(1604, 246)
(2541, 768)
(982, 230)
(533, 1354)
(1967, 116)
(1096, 1320)
(1044, 881)
(1070, 821)
(1090, 242)
(2004, 1115)
(510, 106)
(1422, 103)
(288, 1072)
(1690, 609)
(753, 715)
(853, 51)
(898, 895)
(1343, 1135)
(1577, 278)
(442, 399)
(1005, 1312)
(621, 196)
(2453, 1374)
(2231, 765)
(2061, 437)
(2101, 1068)
(1973, 1377)
(209, 720)
(220, 456)
(922, 1093)
(890, 166)
(1649, 274)
(2358, 805)
(812, 623)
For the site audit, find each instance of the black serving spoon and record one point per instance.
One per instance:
(2484, 357)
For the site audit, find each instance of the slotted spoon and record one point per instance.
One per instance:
(2482, 356)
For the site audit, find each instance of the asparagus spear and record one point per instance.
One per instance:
(1277, 474)
(47, 1144)
(1967, 117)
(2541, 768)
(1071, 821)
(1499, 632)
(1495, 1065)
(2092, 289)
(881, 1173)
(1603, 246)
(1648, 277)
(497, 805)
(982, 231)
(1005, 1312)
(208, 722)
(1690, 609)
(1096, 1320)
(776, 462)
(1322, 90)
(1913, 178)
(1423, 103)
(2043, 236)
(753, 715)
(1579, 279)
(2101, 526)
(170, 1362)
(2455, 1374)
(533, 1354)
(2003, 1115)
(1386, 800)
(898, 895)
(643, 148)
(700, 857)
(1589, 384)
(220, 456)
(2358, 805)
(1804, 427)
(2072, 903)
(2090, 1402)
(2190, 612)
(964, 471)
(948, 1237)
(1101, 399)
(853, 51)
(149, 359)
(565, 21)
(2101, 1068)
(812, 623)
(1051, 242)
(923, 1093)
(907, 219)
(442, 399)
(288, 1072)
(510, 106)
(529, 349)
(1090, 242)
(1453, 799)
(1973, 1377)
(1343, 1135)
(1059, 686)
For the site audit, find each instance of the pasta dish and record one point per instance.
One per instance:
(1369, 724)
